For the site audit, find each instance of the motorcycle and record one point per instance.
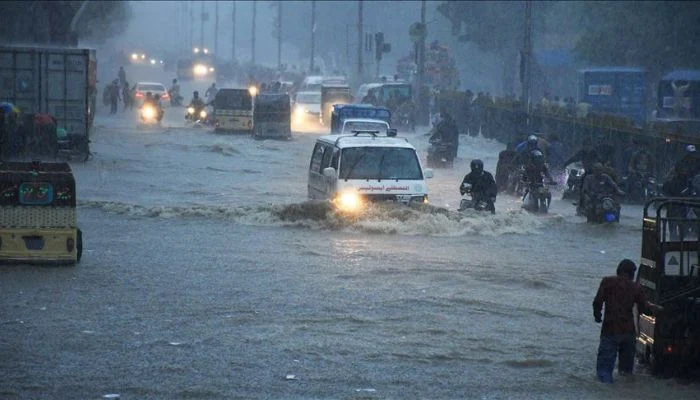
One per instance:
(198, 116)
(516, 186)
(573, 184)
(439, 154)
(470, 201)
(149, 115)
(640, 188)
(537, 198)
(603, 209)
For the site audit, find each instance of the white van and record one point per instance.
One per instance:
(352, 169)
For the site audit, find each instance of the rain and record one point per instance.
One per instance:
(267, 199)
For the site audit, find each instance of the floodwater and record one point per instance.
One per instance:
(207, 275)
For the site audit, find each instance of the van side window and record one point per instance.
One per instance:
(326, 158)
(316, 158)
(334, 159)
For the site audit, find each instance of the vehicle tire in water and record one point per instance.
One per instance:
(79, 245)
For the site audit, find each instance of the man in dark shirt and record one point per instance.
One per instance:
(619, 294)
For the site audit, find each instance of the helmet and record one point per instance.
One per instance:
(532, 139)
(690, 148)
(477, 165)
(149, 94)
(174, 80)
(537, 156)
(196, 93)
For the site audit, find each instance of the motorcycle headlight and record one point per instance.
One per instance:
(148, 112)
(202, 114)
(349, 201)
(190, 110)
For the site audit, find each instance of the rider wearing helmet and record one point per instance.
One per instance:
(536, 168)
(598, 184)
(481, 184)
(526, 148)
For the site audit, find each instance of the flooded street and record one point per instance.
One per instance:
(208, 275)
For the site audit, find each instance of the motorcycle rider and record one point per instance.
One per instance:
(446, 134)
(197, 103)
(536, 169)
(175, 98)
(483, 186)
(159, 106)
(586, 155)
(641, 166)
(506, 159)
(526, 148)
(598, 184)
(689, 165)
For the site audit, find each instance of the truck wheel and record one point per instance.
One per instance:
(79, 245)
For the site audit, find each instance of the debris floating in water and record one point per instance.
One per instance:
(175, 343)
(602, 252)
(111, 396)
(366, 390)
(291, 377)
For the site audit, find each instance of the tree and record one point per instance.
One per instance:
(48, 22)
(659, 36)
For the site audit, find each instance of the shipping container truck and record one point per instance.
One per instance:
(618, 91)
(61, 82)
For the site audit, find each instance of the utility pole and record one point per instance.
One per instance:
(216, 29)
(279, 36)
(360, 35)
(201, 24)
(252, 48)
(526, 58)
(233, 35)
(313, 34)
(191, 24)
(422, 103)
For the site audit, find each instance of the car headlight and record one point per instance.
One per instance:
(190, 110)
(134, 56)
(200, 69)
(202, 114)
(148, 112)
(349, 201)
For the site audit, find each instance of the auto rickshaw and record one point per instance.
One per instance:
(233, 111)
(273, 116)
(38, 221)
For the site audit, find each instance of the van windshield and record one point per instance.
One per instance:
(233, 100)
(393, 163)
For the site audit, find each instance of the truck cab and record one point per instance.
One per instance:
(669, 332)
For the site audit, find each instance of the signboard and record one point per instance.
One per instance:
(600, 90)
(675, 265)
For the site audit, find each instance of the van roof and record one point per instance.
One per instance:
(345, 141)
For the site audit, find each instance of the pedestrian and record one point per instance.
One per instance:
(122, 75)
(617, 336)
(126, 95)
(114, 96)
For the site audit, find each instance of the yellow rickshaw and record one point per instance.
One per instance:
(38, 220)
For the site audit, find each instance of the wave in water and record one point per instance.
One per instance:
(377, 218)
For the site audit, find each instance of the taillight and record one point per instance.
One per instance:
(164, 96)
(70, 244)
(139, 94)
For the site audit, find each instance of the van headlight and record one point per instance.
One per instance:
(202, 114)
(349, 201)
(190, 110)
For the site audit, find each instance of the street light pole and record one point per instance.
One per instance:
(359, 41)
(252, 48)
(422, 106)
(526, 57)
(201, 24)
(279, 35)
(233, 35)
(216, 29)
(313, 34)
